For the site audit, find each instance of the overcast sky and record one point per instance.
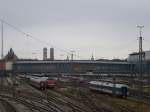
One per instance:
(106, 28)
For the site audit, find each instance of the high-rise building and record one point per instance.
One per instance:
(67, 58)
(44, 53)
(92, 58)
(51, 53)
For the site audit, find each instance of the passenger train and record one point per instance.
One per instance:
(110, 88)
(42, 82)
(38, 82)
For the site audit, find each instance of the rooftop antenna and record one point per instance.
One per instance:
(140, 61)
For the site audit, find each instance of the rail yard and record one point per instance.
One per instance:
(68, 95)
(74, 56)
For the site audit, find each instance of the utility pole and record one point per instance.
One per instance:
(114, 84)
(2, 42)
(140, 62)
(72, 62)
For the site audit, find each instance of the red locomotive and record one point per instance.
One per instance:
(50, 83)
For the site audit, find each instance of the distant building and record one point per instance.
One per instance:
(11, 56)
(134, 57)
(44, 53)
(51, 53)
(67, 58)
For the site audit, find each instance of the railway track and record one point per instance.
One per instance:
(7, 106)
(34, 102)
(144, 97)
(57, 101)
(29, 104)
(89, 98)
(133, 97)
(114, 103)
(65, 101)
(84, 99)
(51, 104)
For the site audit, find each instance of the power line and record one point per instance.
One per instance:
(37, 39)
(41, 41)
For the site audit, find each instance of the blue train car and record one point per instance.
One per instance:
(110, 88)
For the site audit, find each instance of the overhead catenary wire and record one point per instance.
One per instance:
(67, 51)
(37, 39)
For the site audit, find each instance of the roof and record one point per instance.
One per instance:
(136, 53)
(11, 56)
(38, 79)
(107, 84)
(68, 61)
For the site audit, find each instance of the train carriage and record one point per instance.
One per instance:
(42, 82)
(38, 82)
(110, 88)
(50, 83)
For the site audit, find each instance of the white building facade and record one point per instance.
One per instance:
(134, 57)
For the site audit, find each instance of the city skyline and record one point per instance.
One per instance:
(104, 28)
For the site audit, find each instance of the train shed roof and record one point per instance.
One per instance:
(66, 61)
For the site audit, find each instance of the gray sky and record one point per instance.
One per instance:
(106, 28)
